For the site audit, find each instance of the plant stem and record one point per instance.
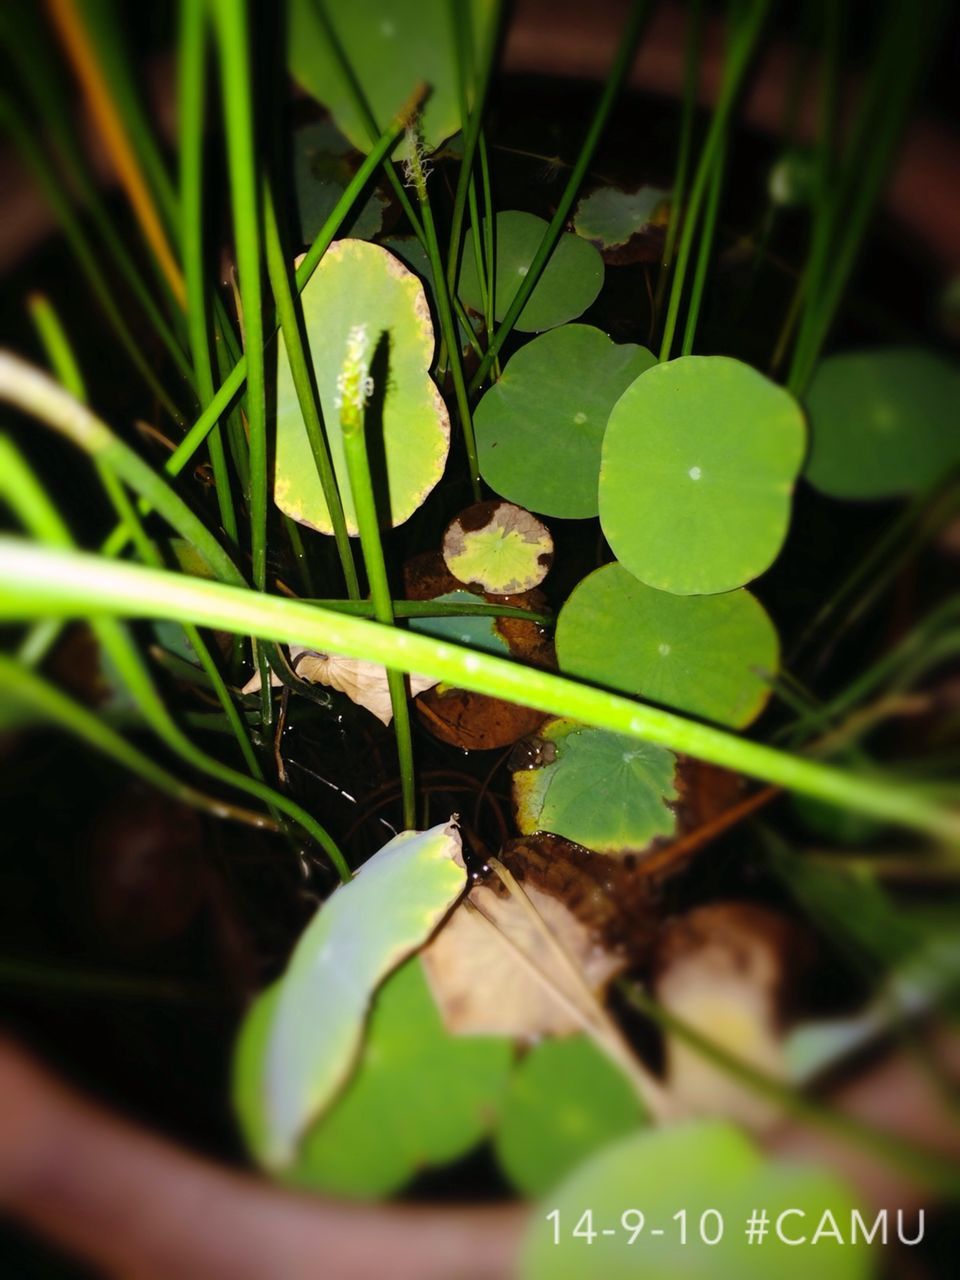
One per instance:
(82, 53)
(56, 345)
(743, 40)
(37, 582)
(296, 342)
(621, 65)
(448, 326)
(354, 392)
(191, 82)
(704, 249)
(691, 75)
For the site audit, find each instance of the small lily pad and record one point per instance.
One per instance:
(419, 1097)
(499, 547)
(564, 1101)
(361, 284)
(322, 171)
(884, 423)
(568, 285)
(609, 217)
(696, 478)
(391, 47)
(477, 632)
(709, 655)
(540, 426)
(599, 789)
(618, 1215)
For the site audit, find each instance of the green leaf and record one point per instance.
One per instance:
(301, 1040)
(609, 216)
(883, 423)
(563, 1102)
(709, 655)
(569, 284)
(321, 173)
(540, 427)
(502, 548)
(599, 789)
(709, 1171)
(362, 284)
(418, 1097)
(699, 462)
(477, 632)
(392, 47)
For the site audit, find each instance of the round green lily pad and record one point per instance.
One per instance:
(563, 1102)
(709, 655)
(609, 216)
(540, 427)
(499, 547)
(392, 47)
(407, 423)
(883, 423)
(678, 1202)
(568, 285)
(697, 473)
(599, 789)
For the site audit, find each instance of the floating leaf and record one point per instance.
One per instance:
(563, 1102)
(540, 426)
(408, 429)
(699, 462)
(321, 173)
(717, 1179)
(569, 284)
(610, 217)
(602, 790)
(709, 655)
(392, 47)
(883, 422)
(312, 1025)
(477, 632)
(499, 547)
(364, 683)
(418, 1097)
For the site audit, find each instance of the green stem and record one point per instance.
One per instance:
(434, 609)
(37, 582)
(704, 250)
(295, 342)
(621, 65)
(57, 346)
(691, 75)
(191, 108)
(354, 394)
(742, 44)
(448, 326)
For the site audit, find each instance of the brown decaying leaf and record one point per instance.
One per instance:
(472, 721)
(724, 969)
(365, 683)
(597, 909)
